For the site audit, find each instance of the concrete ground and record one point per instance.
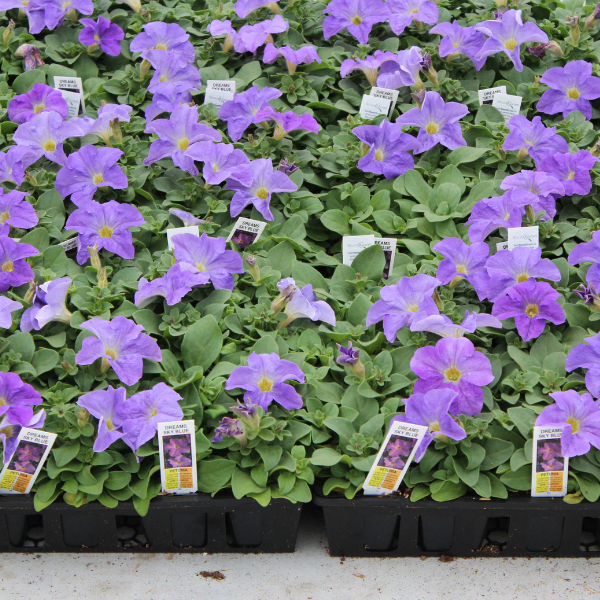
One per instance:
(308, 574)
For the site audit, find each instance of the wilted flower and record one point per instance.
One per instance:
(358, 16)
(14, 270)
(176, 134)
(369, 66)
(531, 303)
(30, 55)
(40, 98)
(453, 363)
(87, 170)
(49, 304)
(266, 181)
(228, 427)
(287, 167)
(164, 36)
(540, 51)
(293, 58)
(460, 40)
(579, 416)
(173, 285)
(431, 409)
(242, 111)
(506, 268)
(121, 345)
(102, 32)
(438, 122)
(404, 12)
(589, 295)
(400, 304)
(209, 258)
(349, 357)
(572, 170)
(263, 379)
(463, 262)
(507, 35)
(587, 356)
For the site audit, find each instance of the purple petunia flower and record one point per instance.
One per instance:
(546, 187)
(402, 71)
(16, 211)
(588, 252)
(172, 73)
(179, 461)
(175, 136)
(533, 137)
(453, 363)
(288, 121)
(507, 34)
(244, 7)
(142, 413)
(49, 304)
(463, 262)
(489, 214)
(250, 37)
(102, 32)
(431, 409)
(87, 170)
(460, 40)
(17, 398)
(121, 345)
(166, 102)
(531, 303)
(400, 304)
(7, 307)
(304, 303)
(228, 427)
(263, 379)
(266, 181)
(45, 134)
(164, 36)
(579, 416)
(9, 432)
(357, 16)
(187, 218)
(445, 327)
(108, 115)
(348, 356)
(106, 226)
(51, 13)
(177, 447)
(14, 270)
(438, 122)
(102, 404)
(293, 58)
(572, 88)
(369, 66)
(221, 162)
(14, 161)
(173, 285)
(388, 154)
(507, 268)
(404, 12)
(587, 356)
(242, 111)
(209, 258)
(40, 98)
(573, 170)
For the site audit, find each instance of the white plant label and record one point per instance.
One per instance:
(523, 237)
(549, 468)
(508, 105)
(487, 96)
(171, 233)
(353, 245)
(371, 107)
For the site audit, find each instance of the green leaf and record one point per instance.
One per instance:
(44, 360)
(270, 455)
(497, 452)
(370, 262)
(336, 221)
(524, 360)
(24, 82)
(243, 484)
(417, 247)
(22, 343)
(65, 453)
(214, 475)
(202, 343)
(519, 479)
(465, 154)
(247, 74)
(280, 258)
(449, 491)
(415, 185)
(523, 418)
(325, 457)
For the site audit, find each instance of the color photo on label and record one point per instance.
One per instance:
(27, 457)
(243, 238)
(177, 451)
(549, 456)
(397, 452)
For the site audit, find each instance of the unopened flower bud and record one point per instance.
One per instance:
(102, 278)
(145, 14)
(573, 23)
(427, 68)
(94, 257)
(419, 97)
(115, 130)
(349, 358)
(593, 18)
(30, 291)
(228, 43)
(589, 296)
(8, 32)
(144, 68)
(82, 417)
(135, 5)
(287, 167)
(253, 267)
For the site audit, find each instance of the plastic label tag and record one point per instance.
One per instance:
(550, 469)
(177, 450)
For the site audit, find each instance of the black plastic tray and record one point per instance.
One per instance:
(194, 523)
(467, 527)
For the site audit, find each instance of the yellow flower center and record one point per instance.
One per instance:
(5, 215)
(183, 143)
(106, 231)
(571, 175)
(356, 20)
(111, 353)
(2, 401)
(7, 431)
(49, 146)
(510, 44)
(574, 423)
(265, 385)
(96, 38)
(97, 178)
(8, 266)
(528, 143)
(432, 128)
(521, 277)
(452, 374)
(456, 44)
(216, 168)
(109, 424)
(66, 5)
(435, 426)
(163, 78)
(414, 11)
(531, 310)
(378, 154)
(413, 308)
(262, 193)
(153, 412)
(200, 267)
(160, 46)
(38, 108)
(573, 93)
(461, 269)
